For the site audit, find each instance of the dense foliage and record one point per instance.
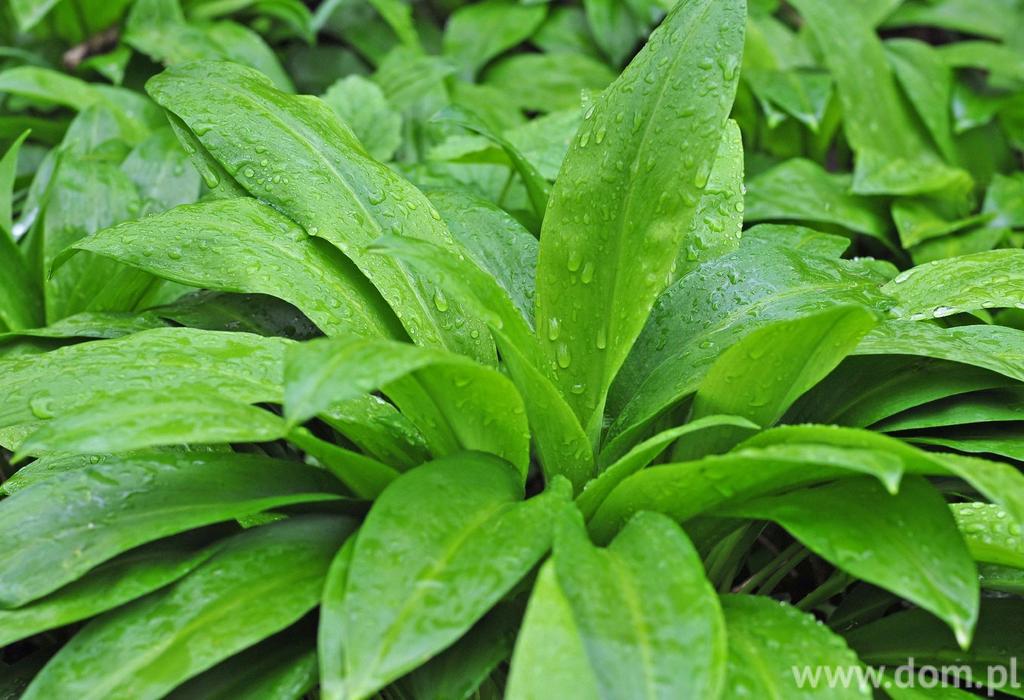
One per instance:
(607, 350)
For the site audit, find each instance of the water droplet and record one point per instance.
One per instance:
(562, 356)
(574, 261)
(174, 253)
(942, 311)
(554, 328)
(587, 273)
(440, 301)
(42, 407)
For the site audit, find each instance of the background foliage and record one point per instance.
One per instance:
(537, 356)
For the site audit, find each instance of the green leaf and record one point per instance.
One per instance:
(561, 444)
(537, 187)
(110, 585)
(440, 546)
(917, 634)
(328, 184)
(614, 27)
(242, 245)
(688, 489)
(240, 365)
(975, 407)
(957, 285)
(713, 308)
(283, 667)
(919, 220)
(708, 432)
(362, 106)
(769, 641)
(637, 619)
(477, 32)
(988, 19)
(801, 190)
(456, 403)
(28, 13)
(761, 376)
(802, 93)
(130, 420)
(20, 301)
(999, 482)
(915, 549)
(8, 173)
(60, 528)
(1005, 198)
(892, 156)
(928, 82)
(158, 29)
(991, 535)
(718, 222)
(160, 169)
(548, 82)
(493, 239)
(256, 584)
(618, 212)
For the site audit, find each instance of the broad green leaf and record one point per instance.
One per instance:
(28, 13)
(997, 348)
(20, 301)
(131, 420)
(614, 27)
(1001, 61)
(548, 82)
(561, 444)
(158, 29)
(915, 549)
(637, 619)
(802, 93)
(985, 19)
(87, 196)
(8, 173)
(1001, 483)
(761, 376)
(824, 245)
(892, 155)
(282, 667)
(688, 489)
(801, 190)
(1005, 198)
(537, 187)
(494, 240)
(958, 285)
(88, 324)
(135, 114)
(110, 585)
(61, 528)
(327, 184)
(440, 546)
(161, 171)
(928, 82)
(771, 641)
(462, 668)
(976, 407)
(718, 222)
(477, 32)
(257, 583)
(917, 634)
(246, 367)
(457, 403)
(921, 219)
(710, 432)
(714, 307)
(545, 140)
(242, 245)
(362, 106)
(991, 535)
(618, 211)
(365, 476)
(995, 440)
